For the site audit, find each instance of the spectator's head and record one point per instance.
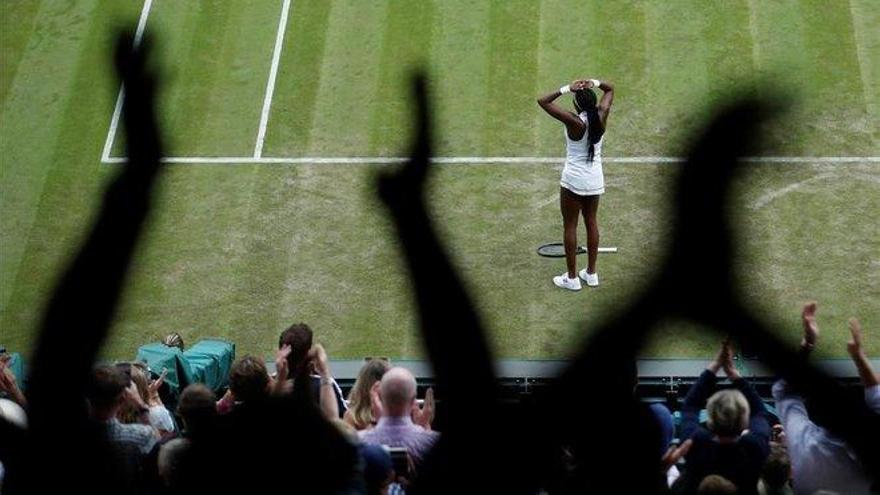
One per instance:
(716, 485)
(398, 391)
(728, 412)
(249, 380)
(105, 391)
(197, 407)
(13, 413)
(299, 338)
(776, 471)
(378, 469)
(359, 399)
(169, 459)
(136, 372)
(173, 340)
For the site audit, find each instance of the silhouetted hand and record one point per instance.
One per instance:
(406, 185)
(142, 136)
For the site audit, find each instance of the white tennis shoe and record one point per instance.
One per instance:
(563, 282)
(592, 279)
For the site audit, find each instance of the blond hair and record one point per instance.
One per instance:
(728, 412)
(360, 412)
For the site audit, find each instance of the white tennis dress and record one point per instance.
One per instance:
(579, 175)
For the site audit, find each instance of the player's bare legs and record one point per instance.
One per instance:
(590, 208)
(570, 205)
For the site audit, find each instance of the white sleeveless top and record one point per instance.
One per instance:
(579, 175)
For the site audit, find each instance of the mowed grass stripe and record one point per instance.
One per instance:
(865, 17)
(564, 53)
(71, 128)
(513, 65)
(349, 77)
(406, 42)
(678, 72)
(782, 63)
(460, 74)
(17, 24)
(839, 117)
(30, 126)
(621, 57)
(218, 57)
(299, 79)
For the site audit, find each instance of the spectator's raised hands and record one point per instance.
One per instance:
(811, 328)
(857, 353)
(8, 383)
(854, 346)
(723, 358)
(318, 357)
(674, 454)
(729, 365)
(153, 389)
(281, 385)
(424, 415)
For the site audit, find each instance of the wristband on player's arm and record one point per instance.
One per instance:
(565, 89)
(596, 83)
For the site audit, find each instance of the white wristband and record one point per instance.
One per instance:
(565, 89)
(596, 83)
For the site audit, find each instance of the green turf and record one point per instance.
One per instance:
(240, 251)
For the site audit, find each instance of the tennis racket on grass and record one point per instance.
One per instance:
(556, 250)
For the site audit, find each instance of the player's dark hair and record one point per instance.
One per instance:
(585, 101)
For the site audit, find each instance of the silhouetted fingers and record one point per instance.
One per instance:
(139, 102)
(407, 183)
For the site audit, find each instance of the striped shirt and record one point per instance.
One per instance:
(131, 437)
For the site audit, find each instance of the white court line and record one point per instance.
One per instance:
(480, 160)
(117, 111)
(270, 84)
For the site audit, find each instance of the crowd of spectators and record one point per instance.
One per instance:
(105, 429)
(740, 446)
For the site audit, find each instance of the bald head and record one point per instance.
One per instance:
(398, 390)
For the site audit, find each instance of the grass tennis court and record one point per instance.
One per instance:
(240, 250)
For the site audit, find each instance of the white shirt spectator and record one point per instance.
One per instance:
(819, 460)
(160, 418)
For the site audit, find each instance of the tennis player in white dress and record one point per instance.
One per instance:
(582, 181)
